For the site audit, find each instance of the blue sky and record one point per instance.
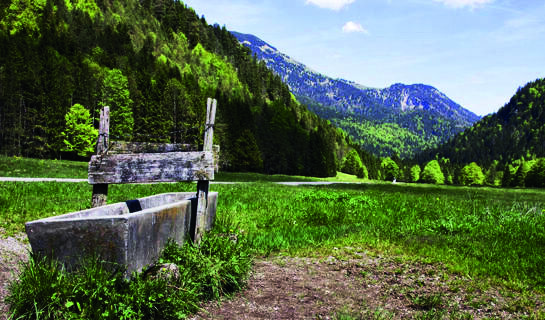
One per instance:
(477, 52)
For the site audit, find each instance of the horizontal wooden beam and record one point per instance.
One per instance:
(125, 147)
(151, 167)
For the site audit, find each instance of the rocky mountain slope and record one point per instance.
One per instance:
(401, 119)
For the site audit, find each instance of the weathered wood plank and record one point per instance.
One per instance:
(125, 147)
(210, 120)
(103, 130)
(204, 186)
(100, 191)
(151, 167)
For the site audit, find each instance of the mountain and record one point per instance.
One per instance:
(516, 130)
(154, 63)
(403, 119)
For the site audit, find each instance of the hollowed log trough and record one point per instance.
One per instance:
(128, 235)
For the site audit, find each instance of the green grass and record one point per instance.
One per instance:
(39, 168)
(485, 232)
(478, 231)
(218, 266)
(496, 234)
(258, 177)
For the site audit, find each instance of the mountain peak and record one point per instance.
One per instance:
(409, 107)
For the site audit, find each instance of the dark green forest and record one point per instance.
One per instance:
(154, 62)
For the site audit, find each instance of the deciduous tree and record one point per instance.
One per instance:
(432, 173)
(471, 174)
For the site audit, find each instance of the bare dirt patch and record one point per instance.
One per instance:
(368, 286)
(13, 251)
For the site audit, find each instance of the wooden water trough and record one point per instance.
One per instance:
(133, 233)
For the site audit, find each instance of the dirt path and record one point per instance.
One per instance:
(367, 287)
(13, 251)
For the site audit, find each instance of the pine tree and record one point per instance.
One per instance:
(80, 135)
(115, 94)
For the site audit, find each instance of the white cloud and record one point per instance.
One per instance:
(330, 4)
(465, 3)
(351, 26)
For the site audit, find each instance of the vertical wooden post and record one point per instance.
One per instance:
(203, 186)
(100, 191)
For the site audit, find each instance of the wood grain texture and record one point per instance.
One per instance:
(151, 167)
(100, 191)
(126, 147)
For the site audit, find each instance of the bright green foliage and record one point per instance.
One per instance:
(389, 169)
(385, 138)
(471, 174)
(536, 176)
(23, 15)
(415, 173)
(352, 165)
(88, 6)
(432, 173)
(115, 94)
(365, 173)
(214, 73)
(80, 135)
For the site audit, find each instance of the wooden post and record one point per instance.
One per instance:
(100, 191)
(203, 186)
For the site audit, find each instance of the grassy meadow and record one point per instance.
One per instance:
(486, 233)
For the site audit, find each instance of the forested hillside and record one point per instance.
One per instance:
(400, 119)
(516, 130)
(154, 63)
(503, 149)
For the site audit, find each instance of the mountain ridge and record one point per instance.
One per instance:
(419, 109)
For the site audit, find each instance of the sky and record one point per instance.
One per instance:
(477, 52)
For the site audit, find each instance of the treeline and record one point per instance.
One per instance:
(519, 173)
(154, 62)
